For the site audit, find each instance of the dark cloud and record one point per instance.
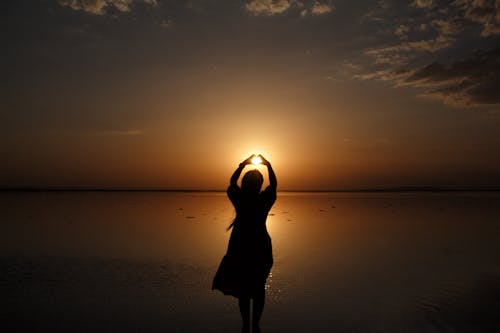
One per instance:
(426, 40)
(428, 26)
(275, 7)
(318, 8)
(423, 3)
(485, 12)
(471, 82)
(374, 37)
(418, 31)
(268, 7)
(99, 7)
(474, 81)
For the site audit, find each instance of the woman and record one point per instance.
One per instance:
(249, 257)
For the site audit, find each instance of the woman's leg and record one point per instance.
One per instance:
(244, 303)
(258, 307)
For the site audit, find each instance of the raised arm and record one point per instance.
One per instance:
(237, 172)
(273, 182)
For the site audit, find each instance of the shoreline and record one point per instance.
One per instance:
(368, 190)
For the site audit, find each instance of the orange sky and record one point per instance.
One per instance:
(162, 95)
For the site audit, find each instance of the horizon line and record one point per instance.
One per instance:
(344, 190)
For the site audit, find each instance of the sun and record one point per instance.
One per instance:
(256, 160)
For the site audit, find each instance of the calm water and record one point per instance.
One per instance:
(344, 262)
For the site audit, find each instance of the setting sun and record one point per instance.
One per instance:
(256, 160)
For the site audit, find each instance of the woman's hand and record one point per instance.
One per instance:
(264, 161)
(273, 183)
(248, 160)
(234, 178)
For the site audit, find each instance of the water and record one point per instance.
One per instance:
(344, 262)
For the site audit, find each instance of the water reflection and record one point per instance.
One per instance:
(345, 262)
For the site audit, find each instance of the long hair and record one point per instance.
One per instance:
(251, 183)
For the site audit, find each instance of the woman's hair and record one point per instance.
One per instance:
(251, 183)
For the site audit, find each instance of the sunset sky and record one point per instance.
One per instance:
(174, 94)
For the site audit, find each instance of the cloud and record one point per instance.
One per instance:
(474, 81)
(321, 8)
(485, 12)
(275, 7)
(395, 76)
(432, 30)
(448, 26)
(98, 7)
(402, 31)
(416, 34)
(445, 31)
(423, 3)
(401, 53)
(95, 7)
(267, 7)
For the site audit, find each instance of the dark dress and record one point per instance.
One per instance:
(249, 257)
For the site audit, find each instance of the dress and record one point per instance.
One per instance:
(245, 267)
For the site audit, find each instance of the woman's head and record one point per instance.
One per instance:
(252, 182)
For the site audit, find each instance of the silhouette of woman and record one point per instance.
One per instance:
(249, 257)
